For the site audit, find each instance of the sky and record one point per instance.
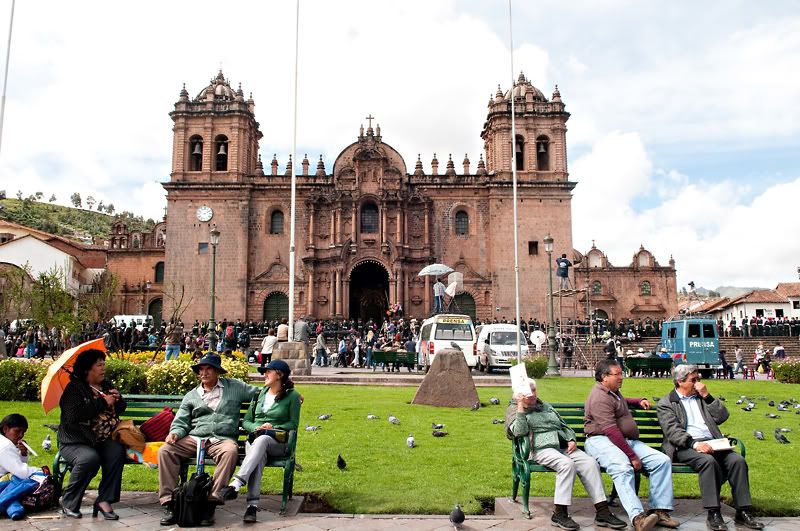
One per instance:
(683, 134)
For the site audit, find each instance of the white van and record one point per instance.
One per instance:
(139, 320)
(447, 331)
(497, 345)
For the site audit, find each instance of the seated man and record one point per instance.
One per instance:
(612, 438)
(553, 445)
(210, 411)
(688, 416)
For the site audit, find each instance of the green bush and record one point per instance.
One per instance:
(787, 372)
(174, 377)
(129, 378)
(535, 367)
(21, 379)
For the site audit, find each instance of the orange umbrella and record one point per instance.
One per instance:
(57, 376)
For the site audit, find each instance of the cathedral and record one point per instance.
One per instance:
(366, 227)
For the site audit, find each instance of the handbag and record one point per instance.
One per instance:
(546, 439)
(156, 428)
(129, 435)
(44, 497)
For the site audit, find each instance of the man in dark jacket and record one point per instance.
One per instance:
(690, 416)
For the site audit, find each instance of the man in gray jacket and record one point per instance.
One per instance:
(690, 416)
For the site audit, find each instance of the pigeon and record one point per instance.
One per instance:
(372, 417)
(762, 397)
(758, 435)
(313, 428)
(476, 406)
(326, 416)
(340, 462)
(786, 430)
(438, 433)
(47, 443)
(494, 401)
(497, 421)
(436, 426)
(457, 515)
(722, 398)
(747, 408)
(739, 401)
(772, 416)
(782, 408)
(393, 419)
(410, 441)
(771, 403)
(455, 345)
(779, 437)
(298, 467)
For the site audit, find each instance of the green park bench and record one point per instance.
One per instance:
(649, 432)
(394, 358)
(142, 407)
(648, 366)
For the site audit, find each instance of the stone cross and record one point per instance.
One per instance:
(370, 118)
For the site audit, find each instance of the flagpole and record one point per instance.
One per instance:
(293, 212)
(5, 76)
(514, 186)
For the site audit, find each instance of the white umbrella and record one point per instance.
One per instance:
(435, 270)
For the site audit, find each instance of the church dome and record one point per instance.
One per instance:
(220, 88)
(521, 89)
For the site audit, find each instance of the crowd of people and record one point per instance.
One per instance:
(759, 327)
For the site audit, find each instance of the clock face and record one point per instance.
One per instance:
(204, 213)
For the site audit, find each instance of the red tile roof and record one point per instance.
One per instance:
(759, 295)
(788, 289)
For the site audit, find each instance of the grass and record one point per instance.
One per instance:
(473, 462)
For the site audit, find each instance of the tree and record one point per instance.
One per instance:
(713, 294)
(51, 304)
(90, 202)
(15, 286)
(95, 305)
(53, 198)
(110, 209)
(19, 195)
(75, 199)
(38, 196)
(100, 206)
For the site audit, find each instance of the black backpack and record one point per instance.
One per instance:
(190, 500)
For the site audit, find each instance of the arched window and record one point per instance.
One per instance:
(159, 273)
(645, 289)
(276, 306)
(369, 218)
(221, 153)
(597, 288)
(196, 153)
(543, 153)
(519, 153)
(276, 222)
(462, 223)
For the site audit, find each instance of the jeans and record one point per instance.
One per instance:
(11, 492)
(621, 471)
(256, 456)
(173, 351)
(739, 366)
(438, 304)
(368, 362)
(320, 361)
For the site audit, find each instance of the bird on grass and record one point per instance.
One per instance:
(758, 435)
(780, 437)
(722, 398)
(476, 406)
(438, 433)
(771, 403)
(457, 516)
(786, 430)
(747, 408)
(410, 441)
(341, 463)
(494, 401)
(298, 467)
(47, 443)
(372, 417)
(313, 428)
(772, 416)
(326, 416)
(740, 401)
(497, 421)
(435, 426)
(393, 419)
(781, 407)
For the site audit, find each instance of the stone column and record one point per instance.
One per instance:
(427, 226)
(384, 233)
(310, 301)
(338, 292)
(332, 299)
(311, 225)
(393, 287)
(353, 228)
(427, 297)
(334, 226)
(399, 235)
(346, 298)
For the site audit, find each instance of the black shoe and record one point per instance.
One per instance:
(745, 519)
(228, 493)
(71, 514)
(110, 515)
(715, 522)
(250, 514)
(169, 516)
(564, 522)
(206, 522)
(609, 520)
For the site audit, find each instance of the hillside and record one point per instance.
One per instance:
(76, 223)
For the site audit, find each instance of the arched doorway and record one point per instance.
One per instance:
(276, 306)
(600, 314)
(154, 310)
(464, 303)
(369, 291)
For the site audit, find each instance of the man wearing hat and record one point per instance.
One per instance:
(210, 411)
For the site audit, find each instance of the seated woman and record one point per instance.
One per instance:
(14, 461)
(90, 409)
(553, 445)
(277, 407)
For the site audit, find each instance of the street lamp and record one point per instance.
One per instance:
(552, 364)
(212, 326)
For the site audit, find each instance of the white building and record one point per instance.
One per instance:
(791, 290)
(765, 303)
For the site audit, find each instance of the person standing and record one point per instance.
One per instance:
(174, 335)
(438, 297)
(267, 344)
(739, 354)
(321, 350)
(612, 438)
(283, 330)
(3, 354)
(689, 416)
(562, 271)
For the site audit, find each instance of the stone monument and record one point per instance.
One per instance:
(294, 354)
(448, 382)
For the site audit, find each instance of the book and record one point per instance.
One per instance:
(719, 444)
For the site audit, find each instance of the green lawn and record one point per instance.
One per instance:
(472, 463)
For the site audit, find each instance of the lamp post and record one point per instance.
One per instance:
(552, 364)
(212, 326)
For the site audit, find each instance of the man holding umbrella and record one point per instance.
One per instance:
(438, 297)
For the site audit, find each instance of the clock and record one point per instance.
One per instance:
(204, 213)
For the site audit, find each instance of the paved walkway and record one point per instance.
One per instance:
(140, 511)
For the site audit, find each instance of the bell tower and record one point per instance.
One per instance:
(215, 135)
(540, 146)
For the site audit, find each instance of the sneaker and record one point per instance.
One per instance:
(609, 520)
(169, 516)
(664, 519)
(228, 493)
(564, 522)
(644, 522)
(250, 514)
(745, 519)
(715, 522)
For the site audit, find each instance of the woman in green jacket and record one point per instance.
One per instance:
(273, 413)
